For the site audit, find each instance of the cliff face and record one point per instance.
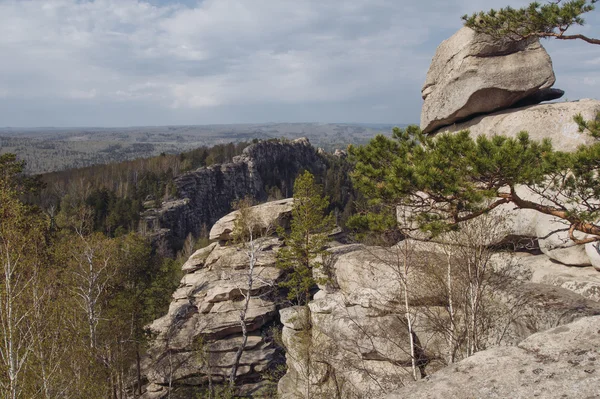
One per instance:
(205, 195)
(196, 341)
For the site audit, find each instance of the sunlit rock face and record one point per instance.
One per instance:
(558, 363)
(195, 343)
(473, 73)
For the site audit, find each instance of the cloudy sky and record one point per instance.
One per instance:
(173, 62)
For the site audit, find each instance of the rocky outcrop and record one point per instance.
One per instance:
(357, 345)
(206, 195)
(547, 233)
(198, 337)
(544, 121)
(349, 352)
(562, 362)
(266, 217)
(540, 269)
(473, 73)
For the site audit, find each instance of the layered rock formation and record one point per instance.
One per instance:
(473, 83)
(352, 340)
(205, 195)
(197, 340)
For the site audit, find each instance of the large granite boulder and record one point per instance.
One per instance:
(562, 362)
(543, 121)
(373, 276)
(355, 330)
(267, 217)
(350, 351)
(473, 73)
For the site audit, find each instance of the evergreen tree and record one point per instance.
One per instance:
(535, 20)
(450, 178)
(306, 240)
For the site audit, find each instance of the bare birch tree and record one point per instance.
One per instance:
(21, 233)
(247, 233)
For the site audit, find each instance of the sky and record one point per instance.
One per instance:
(181, 62)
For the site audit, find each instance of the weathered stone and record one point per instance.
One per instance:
(267, 217)
(228, 257)
(196, 261)
(593, 252)
(544, 121)
(344, 353)
(294, 317)
(372, 276)
(540, 96)
(207, 193)
(202, 326)
(550, 233)
(541, 269)
(559, 363)
(474, 73)
(531, 307)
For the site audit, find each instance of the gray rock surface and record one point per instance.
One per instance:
(540, 96)
(563, 362)
(196, 261)
(359, 331)
(543, 121)
(206, 194)
(592, 250)
(549, 233)
(540, 269)
(473, 73)
(350, 351)
(267, 216)
(201, 332)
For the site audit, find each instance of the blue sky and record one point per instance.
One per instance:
(167, 62)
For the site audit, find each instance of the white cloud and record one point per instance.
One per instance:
(223, 53)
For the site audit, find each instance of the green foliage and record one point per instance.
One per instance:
(592, 127)
(535, 20)
(306, 240)
(441, 181)
(74, 302)
(11, 175)
(116, 193)
(337, 186)
(111, 213)
(23, 233)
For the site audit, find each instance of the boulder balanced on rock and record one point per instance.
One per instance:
(473, 73)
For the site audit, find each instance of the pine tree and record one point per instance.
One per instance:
(306, 240)
(550, 20)
(444, 180)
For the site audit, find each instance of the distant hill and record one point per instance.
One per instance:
(48, 149)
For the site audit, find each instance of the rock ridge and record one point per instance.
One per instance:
(205, 195)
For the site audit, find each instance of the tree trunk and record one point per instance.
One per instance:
(238, 355)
